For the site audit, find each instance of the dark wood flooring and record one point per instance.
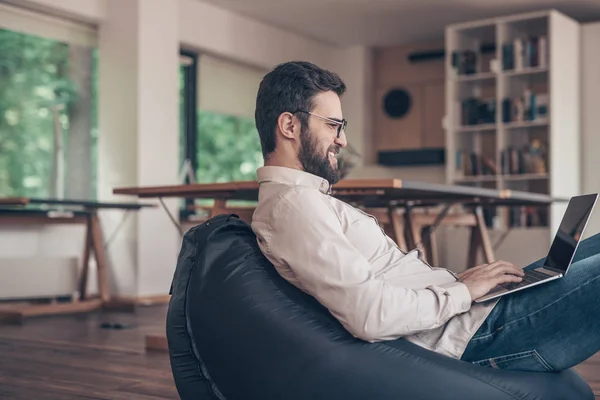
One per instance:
(72, 357)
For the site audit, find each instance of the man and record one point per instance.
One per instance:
(340, 255)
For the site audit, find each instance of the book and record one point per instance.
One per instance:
(528, 107)
(525, 52)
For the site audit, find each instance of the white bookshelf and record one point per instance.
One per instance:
(548, 75)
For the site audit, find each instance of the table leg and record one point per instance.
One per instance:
(98, 245)
(93, 243)
(85, 267)
(474, 244)
(414, 238)
(431, 246)
(480, 236)
(398, 229)
(219, 207)
(488, 250)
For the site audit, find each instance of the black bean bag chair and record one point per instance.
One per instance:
(237, 330)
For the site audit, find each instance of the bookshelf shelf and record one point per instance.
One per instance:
(477, 128)
(525, 177)
(483, 76)
(512, 114)
(493, 178)
(477, 178)
(525, 71)
(524, 124)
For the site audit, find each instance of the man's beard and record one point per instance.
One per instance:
(315, 163)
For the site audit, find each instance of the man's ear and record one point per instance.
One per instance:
(288, 125)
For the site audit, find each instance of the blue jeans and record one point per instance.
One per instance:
(550, 327)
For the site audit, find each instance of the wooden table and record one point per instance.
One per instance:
(387, 194)
(28, 211)
(383, 197)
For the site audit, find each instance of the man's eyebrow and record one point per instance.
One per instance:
(335, 119)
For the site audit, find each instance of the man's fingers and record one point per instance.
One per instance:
(507, 278)
(506, 269)
(505, 266)
(478, 267)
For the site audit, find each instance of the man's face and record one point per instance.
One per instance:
(319, 144)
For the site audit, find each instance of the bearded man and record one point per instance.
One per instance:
(340, 255)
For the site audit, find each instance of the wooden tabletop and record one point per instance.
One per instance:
(371, 192)
(14, 201)
(86, 204)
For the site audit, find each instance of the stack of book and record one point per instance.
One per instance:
(528, 107)
(518, 217)
(526, 160)
(527, 217)
(465, 62)
(528, 52)
(529, 159)
(475, 164)
(474, 111)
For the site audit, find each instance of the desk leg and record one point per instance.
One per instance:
(93, 242)
(431, 246)
(480, 236)
(414, 238)
(488, 250)
(474, 244)
(398, 229)
(86, 259)
(219, 207)
(98, 245)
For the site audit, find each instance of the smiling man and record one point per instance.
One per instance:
(340, 255)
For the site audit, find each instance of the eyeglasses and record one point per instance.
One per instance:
(340, 123)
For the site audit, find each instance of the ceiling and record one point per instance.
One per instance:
(389, 22)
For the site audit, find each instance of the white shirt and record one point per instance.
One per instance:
(341, 256)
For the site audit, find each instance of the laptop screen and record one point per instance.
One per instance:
(570, 231)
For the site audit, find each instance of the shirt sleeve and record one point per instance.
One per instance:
(307, 236)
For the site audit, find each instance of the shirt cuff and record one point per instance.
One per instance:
(455, 276)
(459, 293)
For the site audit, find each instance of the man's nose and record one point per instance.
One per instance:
(342, 141)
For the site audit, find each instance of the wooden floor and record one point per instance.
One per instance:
(590, 370)
(72, 357)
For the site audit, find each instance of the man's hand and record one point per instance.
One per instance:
(483, 278)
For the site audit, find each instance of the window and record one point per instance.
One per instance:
(48, 103)
(219, 141)
(226, 142)
(228, 148)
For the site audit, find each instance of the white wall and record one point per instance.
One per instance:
(227, 87)
(590, 116)
(209, 28)
(354, 65)
(91, 11)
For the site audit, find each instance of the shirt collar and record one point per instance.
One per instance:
(292, 177)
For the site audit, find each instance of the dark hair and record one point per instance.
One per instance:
(290, 87)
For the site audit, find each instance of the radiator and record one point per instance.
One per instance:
(26, 278)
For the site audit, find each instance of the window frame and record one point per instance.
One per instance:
(190, 122)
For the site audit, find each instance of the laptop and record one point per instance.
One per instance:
(562, 250)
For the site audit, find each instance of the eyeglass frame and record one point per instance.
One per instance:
(341, 124)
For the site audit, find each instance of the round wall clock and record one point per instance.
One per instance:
(396, 103)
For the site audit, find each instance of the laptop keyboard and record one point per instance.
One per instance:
(530, 277)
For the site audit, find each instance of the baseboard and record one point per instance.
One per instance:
(129, 303)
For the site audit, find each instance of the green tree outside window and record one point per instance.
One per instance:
(45, 85)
